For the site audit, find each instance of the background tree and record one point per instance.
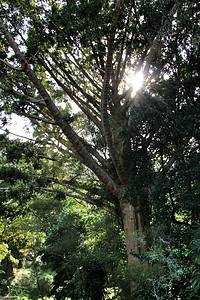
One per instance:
(143, 146)
(21, 190)
(44, 230)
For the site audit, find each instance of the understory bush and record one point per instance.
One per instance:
(31, 282)
(165, 272)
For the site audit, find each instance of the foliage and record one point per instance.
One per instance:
(20, 179)
(84, 261)
(32, 282)
(165, 272)
(90, 241)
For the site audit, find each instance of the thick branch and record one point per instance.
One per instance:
(84, 72)
(122, 49)
(96, 155)
(75, 84)
(105, 100)
(72, 97)
(156, 42)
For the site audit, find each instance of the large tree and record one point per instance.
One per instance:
(136, 143)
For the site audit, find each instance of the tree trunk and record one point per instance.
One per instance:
(136, 224)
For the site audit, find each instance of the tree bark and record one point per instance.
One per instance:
(136, 225)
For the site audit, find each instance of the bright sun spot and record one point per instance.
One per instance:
(135, 80)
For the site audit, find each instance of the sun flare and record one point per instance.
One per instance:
(135, 80)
